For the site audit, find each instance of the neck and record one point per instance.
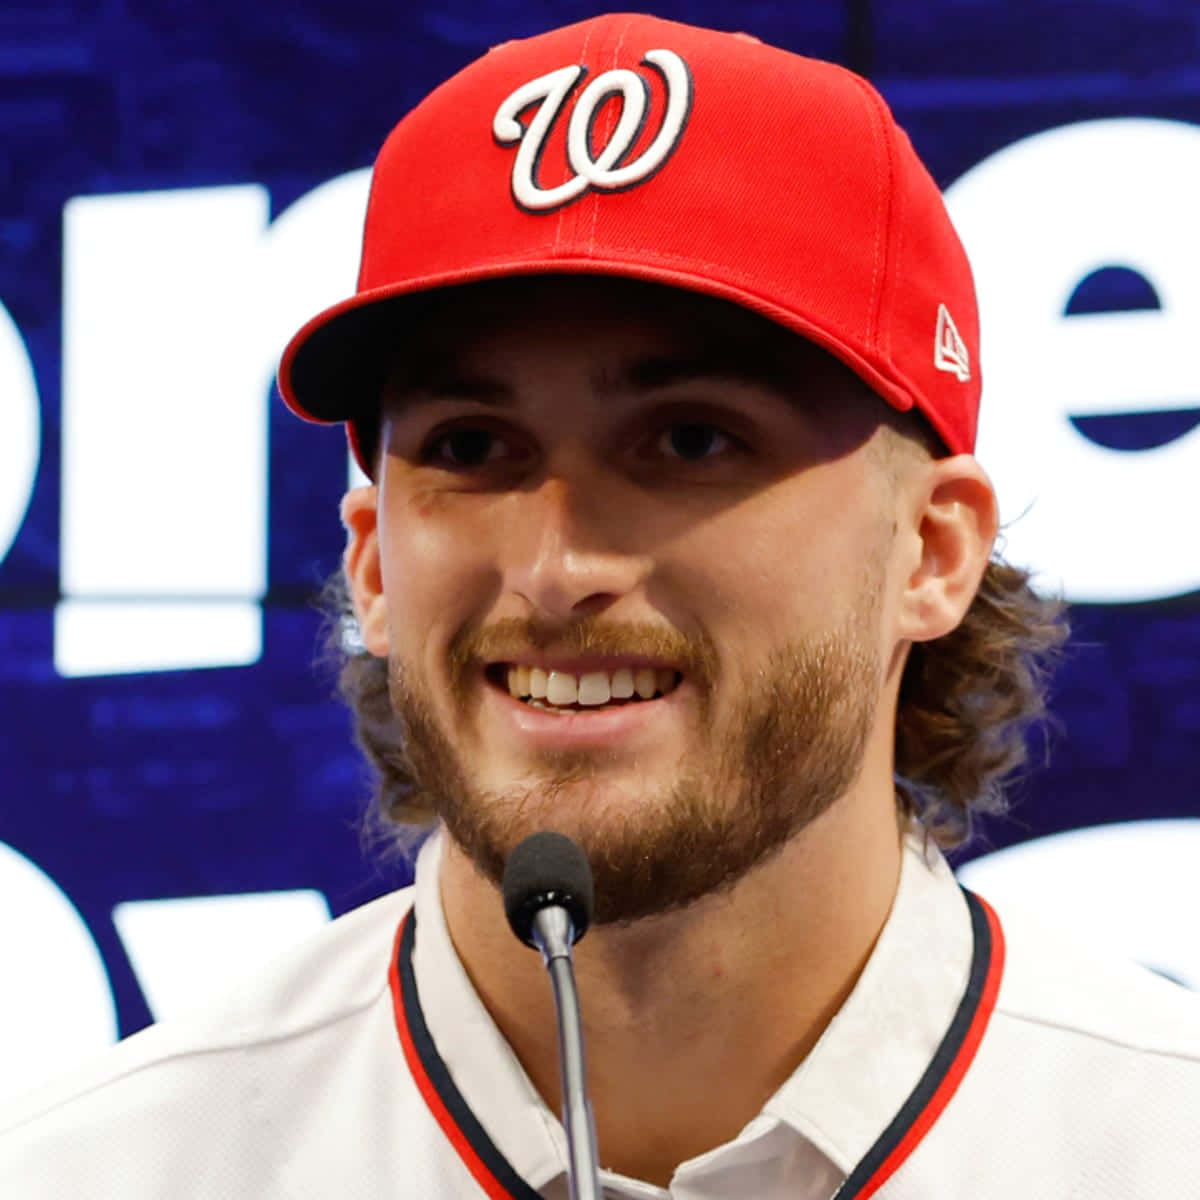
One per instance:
(736, 987)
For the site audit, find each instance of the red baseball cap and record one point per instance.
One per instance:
(635, 147)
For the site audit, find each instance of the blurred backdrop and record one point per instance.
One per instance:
(181, 185)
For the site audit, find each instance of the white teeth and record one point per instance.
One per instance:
(562, 688)
(593, 688)
(645, 682)
(622, 683)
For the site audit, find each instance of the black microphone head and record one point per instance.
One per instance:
(547, 869)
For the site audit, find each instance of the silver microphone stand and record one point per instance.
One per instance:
(553, 932)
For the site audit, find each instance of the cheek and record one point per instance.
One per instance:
(436, 577)
(776, 567)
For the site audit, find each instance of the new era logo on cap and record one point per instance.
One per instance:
(949, 350)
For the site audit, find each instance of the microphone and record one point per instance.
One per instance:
(548, 897)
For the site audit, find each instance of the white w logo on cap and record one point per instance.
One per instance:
(605, 170)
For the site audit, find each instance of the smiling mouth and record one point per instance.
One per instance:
(587, 691)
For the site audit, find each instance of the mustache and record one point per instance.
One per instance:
(511, 637)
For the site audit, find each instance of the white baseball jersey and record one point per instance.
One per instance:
(975, 1059)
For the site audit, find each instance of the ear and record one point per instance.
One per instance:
(364, 574)
(956, 525)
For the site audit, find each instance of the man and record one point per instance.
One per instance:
(664, 367)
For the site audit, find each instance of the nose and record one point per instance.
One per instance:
(571, 554)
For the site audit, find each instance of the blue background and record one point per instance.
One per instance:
(232, 780)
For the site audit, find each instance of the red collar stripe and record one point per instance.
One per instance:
(492, 1171)
(949, 1065)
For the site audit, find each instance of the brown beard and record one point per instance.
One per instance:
(793, 746)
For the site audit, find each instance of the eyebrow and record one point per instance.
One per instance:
(732, 364)
(443, 379)
(428, 379)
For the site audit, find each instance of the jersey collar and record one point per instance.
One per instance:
(873, 1086)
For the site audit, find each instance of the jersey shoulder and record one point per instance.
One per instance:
(339, 971)
(1055, 981)
(293, 1087)
(1084, 1086)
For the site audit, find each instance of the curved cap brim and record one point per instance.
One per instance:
(333, 369)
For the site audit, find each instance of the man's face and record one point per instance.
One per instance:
(633, 551)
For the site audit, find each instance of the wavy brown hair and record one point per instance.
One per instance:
(968, 701)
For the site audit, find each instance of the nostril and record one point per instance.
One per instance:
(594, 604)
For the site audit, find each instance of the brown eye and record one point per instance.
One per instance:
(693, 441)
(465, 447)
